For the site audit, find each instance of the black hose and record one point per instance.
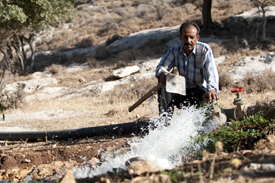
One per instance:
(119, 129)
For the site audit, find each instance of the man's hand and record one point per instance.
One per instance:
(162, 77)
(211, 95)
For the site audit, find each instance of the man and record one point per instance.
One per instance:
(194, 60)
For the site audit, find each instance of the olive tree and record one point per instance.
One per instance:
(261, 5)
(21, 20)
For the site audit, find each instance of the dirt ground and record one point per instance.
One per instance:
(52, 159)
(48, 160)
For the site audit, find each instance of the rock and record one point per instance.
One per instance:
(30, 85)
(139, 39)
(10, 173)
(260, 167)
(23, 173)
(149, 66)
(68, 177)
(126, 71)
(160, 178)
(219, 60)
(94, 161)
(142, 166)
(40, 75)
(247, 21)
(77, 68)
(236, 163)
(26, 160)
(245, 43)
(270, 57)
(205, 154)
(104, 180)
(139, 180)
(82, 80)
(271, 47)
(254, 65)
(46, 93)
(219, 146)
(218, 24)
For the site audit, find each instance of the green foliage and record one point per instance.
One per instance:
(250, 129)
(33, 15)
(175, 175)
(21, 20)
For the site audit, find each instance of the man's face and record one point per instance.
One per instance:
(189, 38)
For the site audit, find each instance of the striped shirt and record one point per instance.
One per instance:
(199, 68)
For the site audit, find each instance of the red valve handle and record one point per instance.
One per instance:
(237, 90)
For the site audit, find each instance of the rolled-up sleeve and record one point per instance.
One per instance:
(210, 72)
(166, 62)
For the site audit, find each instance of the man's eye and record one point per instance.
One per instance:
(191, 37)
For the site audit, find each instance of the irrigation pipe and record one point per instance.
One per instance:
(119, 129)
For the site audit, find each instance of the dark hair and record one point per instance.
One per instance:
(190, 23)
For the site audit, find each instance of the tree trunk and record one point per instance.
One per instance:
(6, 56)
(22, 38)
(264, 22)
(30, 42)
(206, 14)
(18, 48)
(4, 67)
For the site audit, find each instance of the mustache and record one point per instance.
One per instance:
(188, 44)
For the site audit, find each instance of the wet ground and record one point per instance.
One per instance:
(22, 160)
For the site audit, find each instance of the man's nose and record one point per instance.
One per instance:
(189, 39)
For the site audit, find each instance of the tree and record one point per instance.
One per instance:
(21, 20)
(261, 5)
(206, 14)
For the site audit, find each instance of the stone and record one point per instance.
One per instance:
(270, 57)
(40, 75)
(126, 71)
(26, 160)
(142, 166)
(94, 161)
(104, 180)
(161, 178)
(23, 173)
(68, 177)
(219, 146)
(271, 47)
(236, 163)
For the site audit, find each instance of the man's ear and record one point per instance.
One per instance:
(180, 36)
(198, 37)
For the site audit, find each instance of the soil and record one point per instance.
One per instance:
(50, 160)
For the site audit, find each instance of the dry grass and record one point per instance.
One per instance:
(266, 107)
(260, 83)
(107, 18)
(55, 69)
(225, 81)
(129, 55)
(106, 109)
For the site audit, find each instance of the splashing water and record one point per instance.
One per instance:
(164, 146)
